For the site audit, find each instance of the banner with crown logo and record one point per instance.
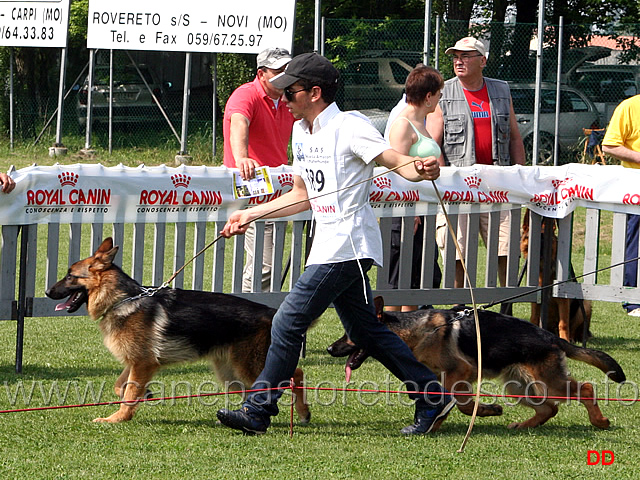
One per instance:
(92, 193)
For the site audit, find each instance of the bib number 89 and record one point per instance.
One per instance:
(315, 179)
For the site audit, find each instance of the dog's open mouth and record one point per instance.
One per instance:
(74, 302)
(353, 363)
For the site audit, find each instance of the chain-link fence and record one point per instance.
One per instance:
(374, 57)
(138, 120)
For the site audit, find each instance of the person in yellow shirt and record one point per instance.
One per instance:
(622, 141)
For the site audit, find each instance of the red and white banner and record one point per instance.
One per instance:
(92, 193)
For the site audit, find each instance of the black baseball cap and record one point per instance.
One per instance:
(307, 66)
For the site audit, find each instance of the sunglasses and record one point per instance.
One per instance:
(289, 94)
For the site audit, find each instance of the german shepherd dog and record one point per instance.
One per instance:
(531, 361)
(566, 316)
(173, 325)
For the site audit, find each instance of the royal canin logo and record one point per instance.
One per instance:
(556, 183)
(564, 191)
(286, 180)
(382, 183)
(385, 194)
(62, 197)
(181, 180)
(474, 194)
(473, 181)
(68, 178)
(174, 197)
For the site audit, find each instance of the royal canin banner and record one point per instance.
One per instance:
(92, 193)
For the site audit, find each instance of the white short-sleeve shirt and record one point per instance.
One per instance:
(339, 153)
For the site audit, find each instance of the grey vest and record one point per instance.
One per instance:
(458, 144)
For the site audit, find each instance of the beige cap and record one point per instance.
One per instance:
(468, 44)
(273, 58)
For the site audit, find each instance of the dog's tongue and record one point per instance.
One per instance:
(348, 367)
(64, 305)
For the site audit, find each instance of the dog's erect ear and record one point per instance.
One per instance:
(103, 258)
(106, 245)
(378, 302)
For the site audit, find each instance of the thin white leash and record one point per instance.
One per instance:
(475, 316)
(151, 291)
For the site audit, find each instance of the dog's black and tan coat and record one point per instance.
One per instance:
(173, 325)
(531, 361)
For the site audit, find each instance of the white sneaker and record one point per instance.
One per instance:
(634, 313)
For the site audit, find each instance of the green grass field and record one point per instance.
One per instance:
(351, 434)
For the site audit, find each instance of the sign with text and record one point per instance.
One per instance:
(244, 26)
(92, 193)
(36, 23)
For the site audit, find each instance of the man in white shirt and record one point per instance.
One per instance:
(332, 150)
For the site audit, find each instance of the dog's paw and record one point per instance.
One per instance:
(102, 420)
(115, 418)
(602, 422)
(304, 420)
(513, 426)
(489, 410)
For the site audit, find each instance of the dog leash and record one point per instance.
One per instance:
(152, 290)
(476, 402)
(551, 285)
(310, 199)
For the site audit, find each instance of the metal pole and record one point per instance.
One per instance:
(316, 25)
(427, 32)
(437, 49)
(214, 116)
(185, 104)
(322, 36)
(87, 138)
(110, 101)
(536, 112)
(63, 69)
(11, 98)
(55, 113)
(558, 92)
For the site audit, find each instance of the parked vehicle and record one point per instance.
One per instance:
(377, 117)
(576, 112)
(607, 85)
(132, 100)
(373, 83)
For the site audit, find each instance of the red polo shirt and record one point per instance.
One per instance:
(269, 127)
(481, 112)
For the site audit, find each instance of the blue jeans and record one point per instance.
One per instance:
(344, 285)
(631, 251)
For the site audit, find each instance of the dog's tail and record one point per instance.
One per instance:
(598, 359)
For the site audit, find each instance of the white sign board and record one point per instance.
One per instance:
(35, 23)
(243, 26)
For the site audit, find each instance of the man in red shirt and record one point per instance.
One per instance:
(257, 129)
(475, 115)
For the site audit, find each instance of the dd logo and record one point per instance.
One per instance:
(595, 457)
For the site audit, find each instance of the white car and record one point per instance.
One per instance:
(576, 112)
(373, 83)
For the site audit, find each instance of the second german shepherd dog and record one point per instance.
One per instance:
(566, 317)
(531, 361)
(173, 325)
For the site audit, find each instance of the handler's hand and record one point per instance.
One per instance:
(237, 224)
(7, 183)
(428, 168)
(247, 167)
